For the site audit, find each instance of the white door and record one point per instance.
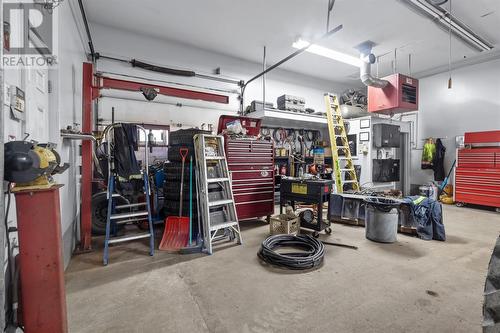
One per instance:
(37, 104)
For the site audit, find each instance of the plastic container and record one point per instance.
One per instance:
(381, 220)
(283, 224)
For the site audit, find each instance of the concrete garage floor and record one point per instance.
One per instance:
(409, 286)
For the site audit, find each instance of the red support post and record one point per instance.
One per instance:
(86, 185)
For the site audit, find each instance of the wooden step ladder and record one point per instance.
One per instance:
(342, 165)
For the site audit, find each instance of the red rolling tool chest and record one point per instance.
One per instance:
(251, 165)
(477, 176)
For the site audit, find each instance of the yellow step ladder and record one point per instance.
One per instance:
(337, 130)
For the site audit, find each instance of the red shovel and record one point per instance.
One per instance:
(176, 232)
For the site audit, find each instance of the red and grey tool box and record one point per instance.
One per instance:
(477, 176)
(251, 165)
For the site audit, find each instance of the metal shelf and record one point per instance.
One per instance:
(275, 117)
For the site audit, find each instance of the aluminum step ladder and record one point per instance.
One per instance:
(342, 165)
(217, 208)
(122, 214)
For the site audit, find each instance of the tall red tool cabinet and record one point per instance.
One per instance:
(477, 176)
(251, 164)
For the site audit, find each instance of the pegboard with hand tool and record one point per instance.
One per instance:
(294, 150)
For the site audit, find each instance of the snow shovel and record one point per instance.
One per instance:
(176, 232)
(191, 248)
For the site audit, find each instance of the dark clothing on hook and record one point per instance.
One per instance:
(125, 145)
(438, 161)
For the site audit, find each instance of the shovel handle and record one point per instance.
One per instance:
(183, 151)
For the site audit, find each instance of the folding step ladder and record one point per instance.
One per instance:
(123, 214)
(342, 165)
(217, 208)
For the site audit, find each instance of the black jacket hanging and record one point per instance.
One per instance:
(438, 161)
(124, 150)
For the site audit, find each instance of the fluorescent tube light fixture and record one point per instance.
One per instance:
(328, 53)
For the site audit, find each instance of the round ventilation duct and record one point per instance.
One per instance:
(437, 2)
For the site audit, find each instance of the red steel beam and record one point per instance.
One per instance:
(112, 83)
(86, 184)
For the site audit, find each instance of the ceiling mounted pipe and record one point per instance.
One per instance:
(367, 59)
(437, 2)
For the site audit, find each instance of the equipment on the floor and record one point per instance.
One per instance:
(177, 228)
(131, 213)
(477, 175)
(310, 257)
(381, 221)
(308, 191)
(31, 165)
(217, 207)
(342, 166)
(251, 163)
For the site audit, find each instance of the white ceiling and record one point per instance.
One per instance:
(240, 28)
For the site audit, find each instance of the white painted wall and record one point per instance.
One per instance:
(64, 109)
(473, 104)
(119, 43)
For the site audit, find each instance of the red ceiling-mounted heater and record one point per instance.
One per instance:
(398, 96)
(395, 93)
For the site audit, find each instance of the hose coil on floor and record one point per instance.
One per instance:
(311, 256)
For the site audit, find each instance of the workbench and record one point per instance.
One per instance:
(308, 191)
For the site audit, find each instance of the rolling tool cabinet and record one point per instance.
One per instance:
(477, 176)
(251, 166)
(308, 191)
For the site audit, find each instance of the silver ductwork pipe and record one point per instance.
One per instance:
(367, 59)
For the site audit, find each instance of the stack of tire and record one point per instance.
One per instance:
(173, 170)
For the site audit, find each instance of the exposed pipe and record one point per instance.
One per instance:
(87, 30)
(367, 59)
(169, 71)
(282, 61)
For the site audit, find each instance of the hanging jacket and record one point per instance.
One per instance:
(428, 154)
(125, 140)
(438, 161)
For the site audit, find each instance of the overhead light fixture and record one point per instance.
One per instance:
(444, 20)
(328, 53)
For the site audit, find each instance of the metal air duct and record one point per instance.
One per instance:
(365, 72)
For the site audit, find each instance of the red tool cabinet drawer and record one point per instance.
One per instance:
(251, 164)
(478, 186)
(478, 158)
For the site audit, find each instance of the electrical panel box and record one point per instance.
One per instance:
(400, 95)
(386, 136)
(385, 170)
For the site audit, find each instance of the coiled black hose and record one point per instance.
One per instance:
(311, 256)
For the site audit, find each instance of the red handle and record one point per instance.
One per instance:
(183, 152)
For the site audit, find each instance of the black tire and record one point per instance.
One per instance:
(491, 307)
(99, 212)
(174, 154)
(184, 136)
(328, 231)
(173, 172)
